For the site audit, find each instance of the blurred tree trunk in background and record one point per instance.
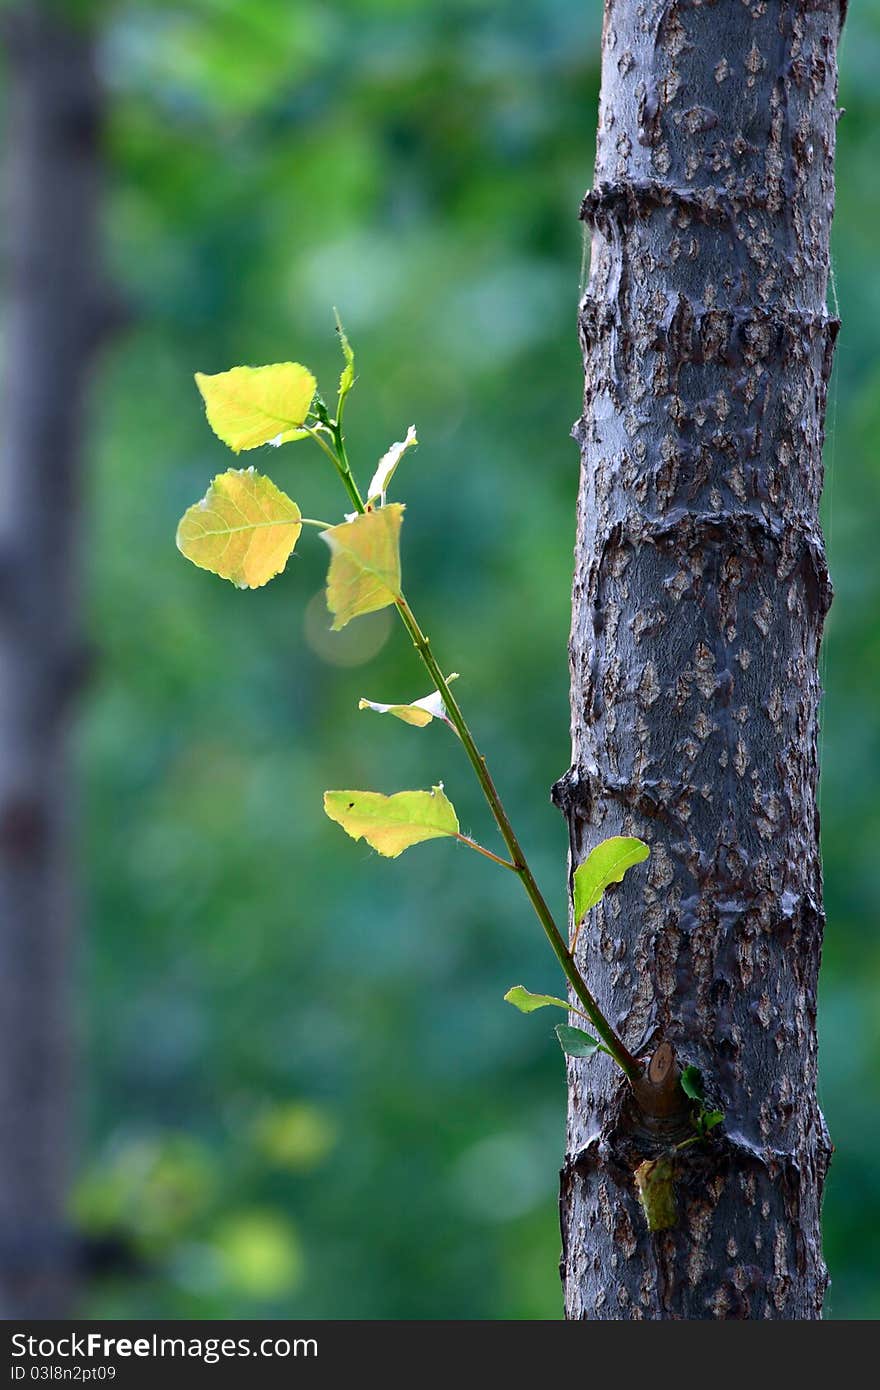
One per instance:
(55, 313)
(699, 595)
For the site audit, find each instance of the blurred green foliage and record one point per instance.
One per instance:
(306, 1097)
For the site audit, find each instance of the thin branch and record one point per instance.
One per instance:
(322, 444)
(630, 1066)
(481, 849)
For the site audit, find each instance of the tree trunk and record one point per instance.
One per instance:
(55, 312)
(699, 594)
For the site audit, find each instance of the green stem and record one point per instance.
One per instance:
(618, 1049)
(343, 468)
(322, 444)
(687, 1143)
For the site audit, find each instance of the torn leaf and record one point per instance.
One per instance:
(419, 713)
(388, 464)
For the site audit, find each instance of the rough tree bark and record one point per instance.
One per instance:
(699, 595)
(56, 311)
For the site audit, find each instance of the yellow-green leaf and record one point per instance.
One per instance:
(419, 713)
(249, 406)
(365, 563)
(414, 714)
(523, 999)
(392, 823)
(388, 464)
(605, 864)
(244, 529)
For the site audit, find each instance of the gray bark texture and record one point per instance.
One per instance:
(699, 595)
(55, 312)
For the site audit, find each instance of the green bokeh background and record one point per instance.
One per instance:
(303, 1095)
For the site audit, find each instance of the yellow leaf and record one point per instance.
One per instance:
(365, 563)
(244, 529)
(249, 406)
(392, 823)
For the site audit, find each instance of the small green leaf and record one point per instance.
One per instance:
(575, 1042)
(346, 380)
(711, 1118)
(692, 1083)
(605, 864)
(388, 464)
(250, 406)
(244, 529)
(655, 1183)
(523, 999)
(365, 563)
(392, 823)
(419, 713)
